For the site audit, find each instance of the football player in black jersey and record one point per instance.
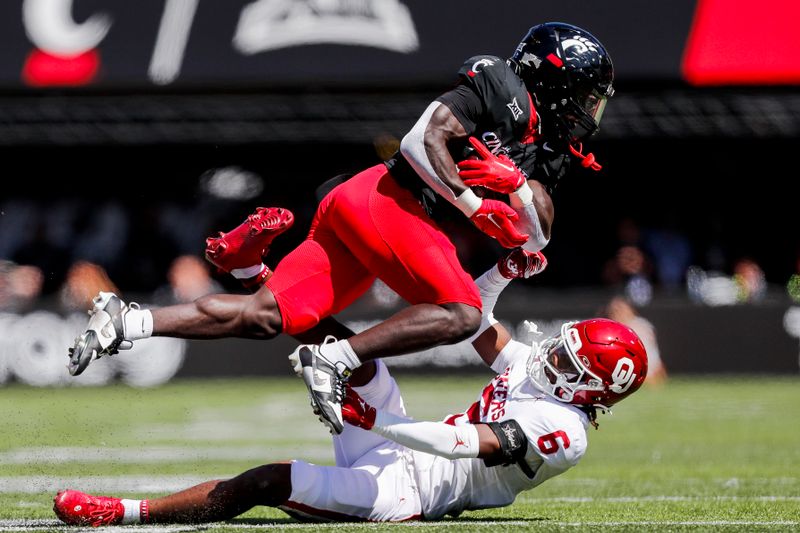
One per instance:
(532, 111)
(510, 126)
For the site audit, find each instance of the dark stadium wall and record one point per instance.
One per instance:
(731, 191)
(100, 108)
(228, 43)
(223, 44)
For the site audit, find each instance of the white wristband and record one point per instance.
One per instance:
(522, 196)
(468, 202)
(490, 284)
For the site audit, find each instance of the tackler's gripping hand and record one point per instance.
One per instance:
(522, 264)
(357, 412)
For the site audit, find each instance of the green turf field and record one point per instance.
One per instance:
(700, 454)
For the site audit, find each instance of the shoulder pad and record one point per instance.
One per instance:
(486, 74)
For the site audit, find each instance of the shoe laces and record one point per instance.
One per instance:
(343, 372)
(102, 510)
(271, 220)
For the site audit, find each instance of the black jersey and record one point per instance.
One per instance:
(493, 104)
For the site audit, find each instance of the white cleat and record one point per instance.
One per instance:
(325, 382)
(104, 334)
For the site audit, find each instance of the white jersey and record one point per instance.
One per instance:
(556, 434)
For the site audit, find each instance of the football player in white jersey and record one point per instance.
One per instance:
(528, 425)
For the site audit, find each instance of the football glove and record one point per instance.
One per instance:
(496, 220)
(357, 412)
(497, 173)
(521, 264)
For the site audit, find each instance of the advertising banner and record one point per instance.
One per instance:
(691, 339)
(219, 44)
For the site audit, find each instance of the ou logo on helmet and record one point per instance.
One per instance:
(622, 375)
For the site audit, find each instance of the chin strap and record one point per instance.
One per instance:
(587, 160)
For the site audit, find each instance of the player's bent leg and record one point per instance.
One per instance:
(211, 501)
(222, 500)
(379, 488)
(416, 328)
(380, 392)
(385, 227)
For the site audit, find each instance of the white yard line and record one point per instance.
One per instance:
(106, 484)
(162, 454)
(679, 523)
(54, 525)
(635, 499)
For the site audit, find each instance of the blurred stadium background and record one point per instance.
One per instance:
(130, 131)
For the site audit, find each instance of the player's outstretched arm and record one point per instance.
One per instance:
(437, 438)
(492, 337)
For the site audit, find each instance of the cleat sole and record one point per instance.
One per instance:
(79, 357)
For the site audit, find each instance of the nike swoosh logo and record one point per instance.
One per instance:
(546, 146)
(309, 362)
(323, 381)
(490, 216)
(317, 381)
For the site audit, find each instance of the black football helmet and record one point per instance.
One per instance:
(569, 74)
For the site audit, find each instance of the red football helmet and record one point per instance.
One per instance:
(592, 362)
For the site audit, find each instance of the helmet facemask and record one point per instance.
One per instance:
(581, 119)
(557, 370)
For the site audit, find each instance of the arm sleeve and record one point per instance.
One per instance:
(522, 202)
(490, 284)
(413, 149)
(437, 438)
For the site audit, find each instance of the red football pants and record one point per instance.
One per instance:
(368, 227)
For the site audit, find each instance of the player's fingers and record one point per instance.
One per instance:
(506, 211)
(512, 241)
(470, 164)
(513, 235)
(481, 148)
(472, 179)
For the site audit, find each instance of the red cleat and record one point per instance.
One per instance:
(243, 248)
(76, 508)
